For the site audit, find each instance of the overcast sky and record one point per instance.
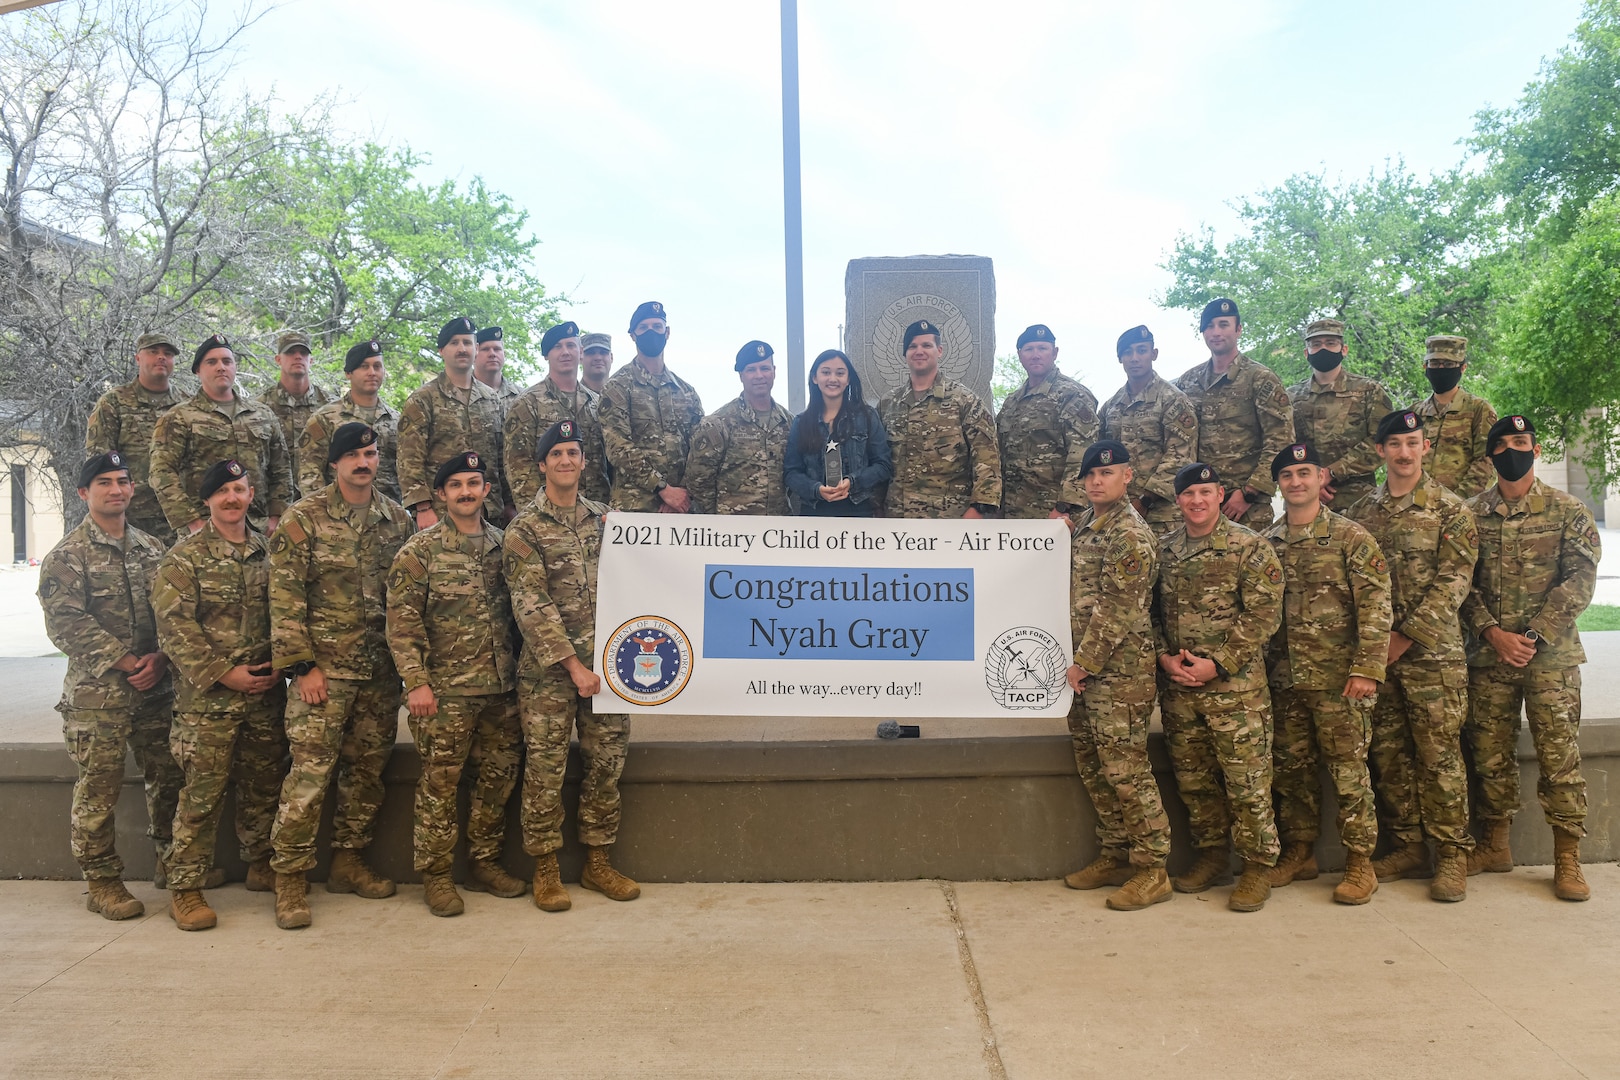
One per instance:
(1070, 142)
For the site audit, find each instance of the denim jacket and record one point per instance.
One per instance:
(866, 461)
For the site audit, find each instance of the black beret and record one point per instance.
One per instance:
(218, 475)
(359, 354)
(490, 333)
(1216, 309)
(1508, 425)
(1398, 422)
(1130, 338)
(1196, 473)
(351, 436)
(919, 329)
(466, 461)
(454, 328)
(560, 432)
(111, 461)
(218, 341)
(558, 333)
(1038, 332)
(652, 309)
(1298, 454)
(752, 353)
(1104, 452)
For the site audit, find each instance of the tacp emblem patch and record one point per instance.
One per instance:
(1299, 453)
(1106, 457)
(1518, 423)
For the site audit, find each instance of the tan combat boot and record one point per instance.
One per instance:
(486, 875)
(549, 894)
(1103, 870)
(441, 896)
(1493, 855)
(190, 911)
(1298, 863)
(350, 874)
(1359, 881)
(1450, 882)
(1146, 887)
(1406, 861)
(599, 876)
(1253, 888)
(292, 901)
(1568, 881)
(1213, 867)
(109, 899)
(260, 878)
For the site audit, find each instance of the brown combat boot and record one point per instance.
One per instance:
(549, 894)
(1253, 888)
(109, 899)
(1103, 870)
(1406, 861)
(350, 874)
(260, 878)
(1492, 855)
(1146, 887)
(190, 911)
(1450, 882)
(1568, 881)
(292, 901)
(1298, 863)
(1213, 867)
(599, 876)
(441, 896)
(1359, 881)
(486, 875)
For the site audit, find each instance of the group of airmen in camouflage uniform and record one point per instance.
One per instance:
(1392, 633)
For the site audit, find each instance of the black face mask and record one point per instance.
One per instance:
(1325, 359)
(1513, 464)
(1443, 378)
(651, 342)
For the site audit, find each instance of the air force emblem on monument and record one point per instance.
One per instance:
(1024, 669)
(955, 336)
(647, 661)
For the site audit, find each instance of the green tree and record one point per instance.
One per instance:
(1007, 376)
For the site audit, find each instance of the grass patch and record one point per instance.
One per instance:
(1599, 617)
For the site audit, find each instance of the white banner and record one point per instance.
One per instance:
(881, 617)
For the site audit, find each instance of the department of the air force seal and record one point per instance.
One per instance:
(1024, 669)
(648, 660)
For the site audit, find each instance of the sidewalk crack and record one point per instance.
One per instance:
(483, 1007)
(991, 1052)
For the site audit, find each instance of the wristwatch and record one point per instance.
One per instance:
(302, 668)
(985, 508)
(660, 486)
(1533, 636)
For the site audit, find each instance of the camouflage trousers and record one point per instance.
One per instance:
(1351, 490)
(351, 733)
(551, 712)
(247, 749)
(1552, 700)
(1257, 517)
(1162, 517)
(1108, 725)
(96, 740)
(1316, 726)
(483, 729)
(1416, 755)
(1220, 748)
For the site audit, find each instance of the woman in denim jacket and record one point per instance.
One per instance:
(837, 412)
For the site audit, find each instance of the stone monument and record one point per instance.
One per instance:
(883, 296)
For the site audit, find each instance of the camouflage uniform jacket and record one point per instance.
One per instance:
(1538, 561)
(1113, 563)
(97, 596)
(1456, 434)
(507, 393)
(1244, 419)
(294, 413)
(1160, 428)
(123, 420)
(944, 451)
(1219, 596)
(328, 583)
(315, 472)
(449, 618)
(1340, 420)
(194, 436)
(736, 465)
(440, 421)
(551, 559)
(531, 416)
(647, 422)
(1431, 541)
(1042, 432)
(1336, 612)
(212, 601)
